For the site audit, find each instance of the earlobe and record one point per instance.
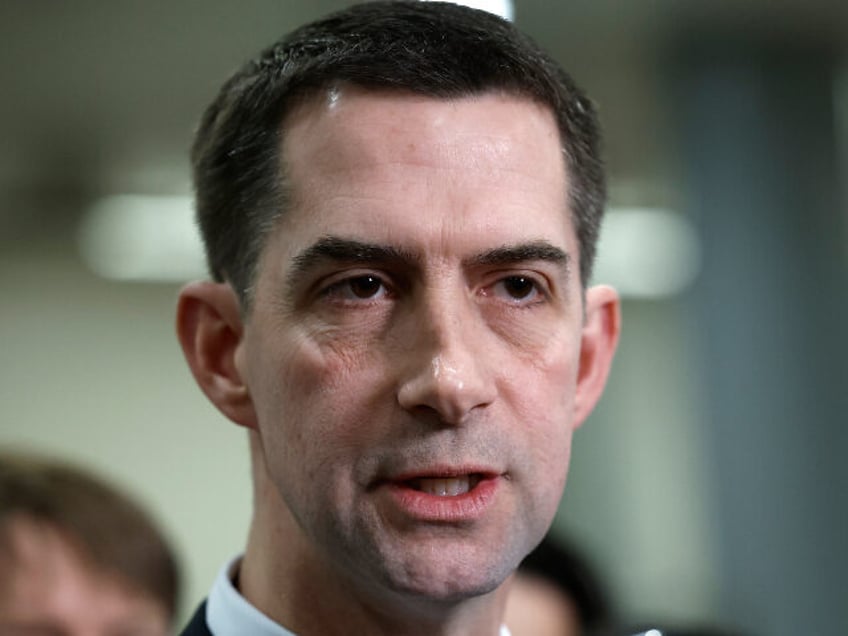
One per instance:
(210, 331)
(599, 339)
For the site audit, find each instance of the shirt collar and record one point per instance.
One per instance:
(229, 614)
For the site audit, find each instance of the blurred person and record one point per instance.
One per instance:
(78, 557)
(399, 205)
(555, 592)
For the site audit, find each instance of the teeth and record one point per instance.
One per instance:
(446, 487)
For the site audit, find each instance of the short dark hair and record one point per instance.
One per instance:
(435, 49)
(107, 528)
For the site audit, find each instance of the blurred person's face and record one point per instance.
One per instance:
(49, 589)
(537, 607)
(418, 352)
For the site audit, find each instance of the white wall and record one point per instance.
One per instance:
(92, 371)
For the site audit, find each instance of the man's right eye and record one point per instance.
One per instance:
(357, 288)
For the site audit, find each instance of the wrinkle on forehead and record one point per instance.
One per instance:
(443, 136)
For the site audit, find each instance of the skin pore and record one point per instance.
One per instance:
(417, 356)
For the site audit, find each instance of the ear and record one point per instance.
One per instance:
(210, 330)
(601, 327)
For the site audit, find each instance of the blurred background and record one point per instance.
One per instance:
(710, 486)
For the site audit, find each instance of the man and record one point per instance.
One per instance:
(77, 558)
(399, 205)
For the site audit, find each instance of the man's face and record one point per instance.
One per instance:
(413, 347)
(50, 589)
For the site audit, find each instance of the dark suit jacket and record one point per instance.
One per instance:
(197, 626)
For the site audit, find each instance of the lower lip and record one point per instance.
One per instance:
(423, 506)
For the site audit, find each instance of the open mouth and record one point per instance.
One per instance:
(445, 486)
(435, 495)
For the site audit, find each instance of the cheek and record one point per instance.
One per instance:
(528, 332)
(321, 395)
(543, 398)
(327, 362)
(326, 416)
(300, 405)
(544, 383)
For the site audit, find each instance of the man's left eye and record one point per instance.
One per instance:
(365, 286)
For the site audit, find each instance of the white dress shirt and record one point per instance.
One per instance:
(229, 614)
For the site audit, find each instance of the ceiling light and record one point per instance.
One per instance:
(648, 252)
(503, 8)
(142, 238)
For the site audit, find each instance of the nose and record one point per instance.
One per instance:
(447, 365)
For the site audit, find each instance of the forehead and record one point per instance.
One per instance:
(51, 581)
(355, 112)
(41, 557)
(483, 162)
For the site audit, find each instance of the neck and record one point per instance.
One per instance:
(285, 577)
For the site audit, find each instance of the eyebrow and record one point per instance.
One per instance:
(522, 253)
(343, 250)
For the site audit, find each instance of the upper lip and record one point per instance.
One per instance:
(440, 472)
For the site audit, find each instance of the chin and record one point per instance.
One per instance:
(452, 591)
(449, 581)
